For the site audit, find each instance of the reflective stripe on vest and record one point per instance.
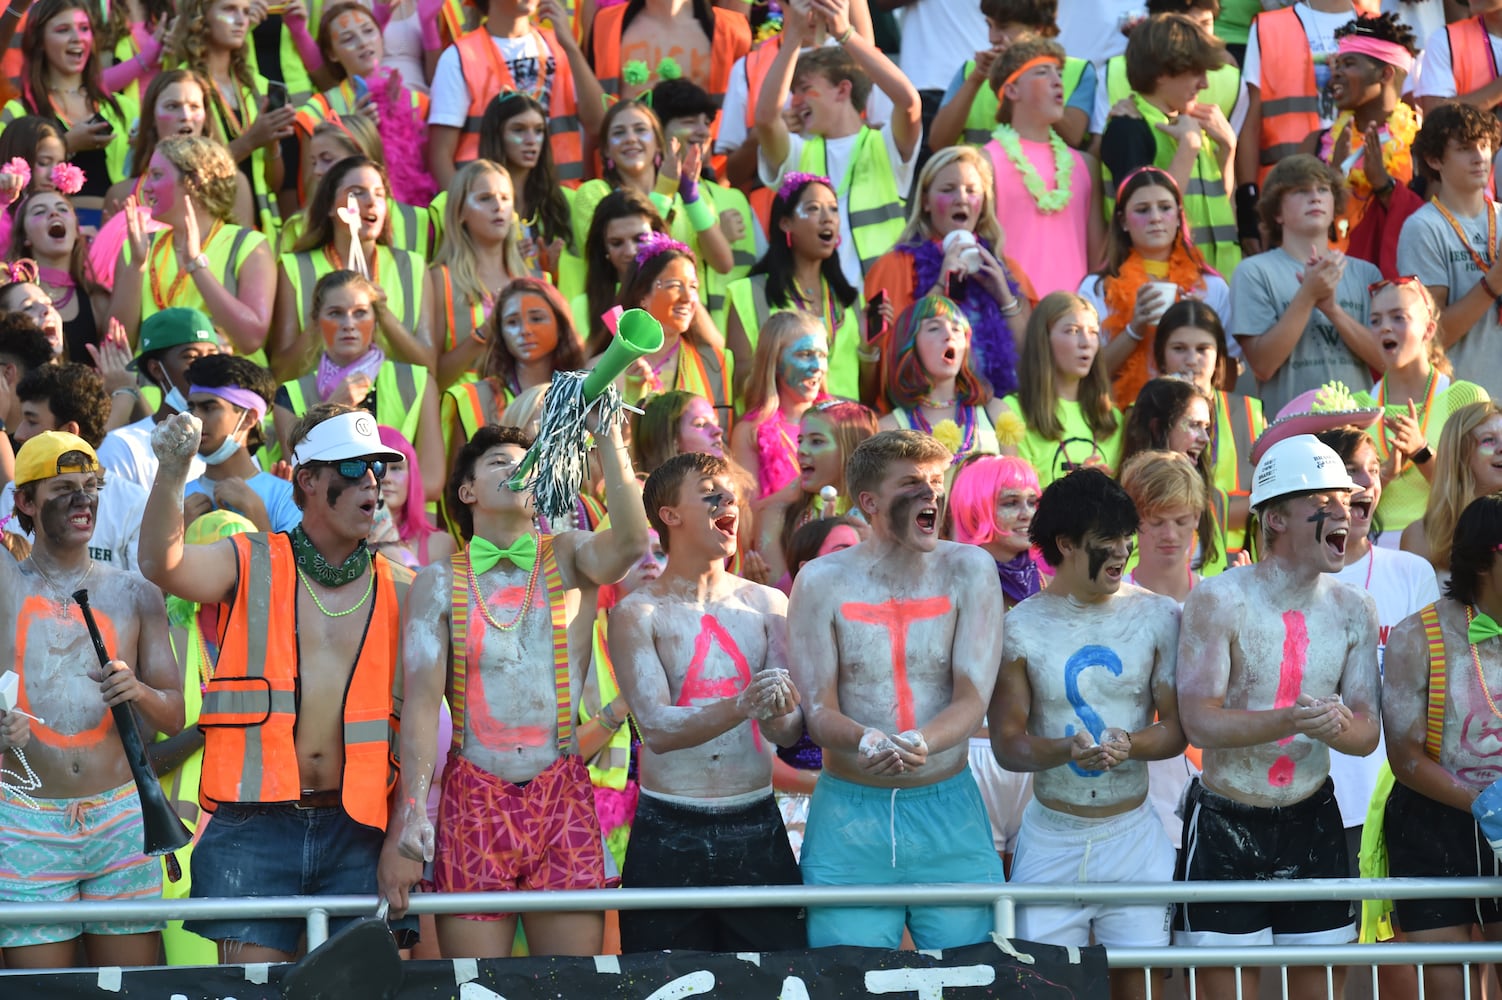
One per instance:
(486, 75)
(395, 273)
(225, 257)
(474, 403)
(398, 392)
(1470, 54)
(1290, 102)
(874, 206)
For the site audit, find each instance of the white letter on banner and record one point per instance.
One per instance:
(793, 989)
(474, 991)
(928, 983)
(690, 985)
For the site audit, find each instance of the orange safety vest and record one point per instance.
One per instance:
(249, 714)
(1470, 54)
(1290, 102)
(486, 74)
(732, 39)
(758, 64)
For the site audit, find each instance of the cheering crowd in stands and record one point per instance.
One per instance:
(1107, 323)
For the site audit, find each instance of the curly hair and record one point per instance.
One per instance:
(1384, 28)
(1463, 124)
(907, 380)
(74, 393)
(208, 171)
(144, 142)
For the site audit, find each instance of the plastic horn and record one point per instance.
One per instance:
(636, 335)
(165, 832)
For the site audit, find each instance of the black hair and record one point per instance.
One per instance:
(806, 542)
(486, 438)
(1478, 533)
(778, 262)
(680, 98)
(74, 393)
(1384, 28)
(22, 342)
(543, 193)
(1073, 506)
(215, 371)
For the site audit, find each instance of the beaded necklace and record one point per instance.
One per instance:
(1476, 662)
(474, 588)
(369, 588)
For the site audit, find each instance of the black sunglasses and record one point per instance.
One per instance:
(354, 469)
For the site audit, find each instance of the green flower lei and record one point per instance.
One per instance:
(1048, 202)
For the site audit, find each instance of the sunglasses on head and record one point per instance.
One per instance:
(1377, 286)
(354, 469)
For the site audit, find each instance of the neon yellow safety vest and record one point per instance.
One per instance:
(748, 297)
(399, 273)
(743, 250)
(227, 251)
(980, 123)
(398, 395)
(1207, 205)
(117, 153)
(877, 211)
(1221, 87)
(474, 404)
(294, 73)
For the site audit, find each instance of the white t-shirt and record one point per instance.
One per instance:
(733, 131)
(126, 453)
(1400, 583)
(838, 154)
(930, 30)
(1090, 29)
(450, 93)
(117, 529)
(1319, 29)
(1437, 71)
(1425, 17)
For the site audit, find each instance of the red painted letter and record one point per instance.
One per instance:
(897, 616)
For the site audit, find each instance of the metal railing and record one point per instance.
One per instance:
(315, 911)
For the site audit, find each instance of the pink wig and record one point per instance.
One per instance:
(414, 520)
(972, 501)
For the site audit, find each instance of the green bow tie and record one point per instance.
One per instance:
(484, 554)
(1482, 628)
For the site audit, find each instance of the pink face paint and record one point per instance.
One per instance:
(1290, 681)
(490, 731)
(897, 617)
(696, 686)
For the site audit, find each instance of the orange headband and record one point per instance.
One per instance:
(1035, 61)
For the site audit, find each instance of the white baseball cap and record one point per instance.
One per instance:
(348, 435)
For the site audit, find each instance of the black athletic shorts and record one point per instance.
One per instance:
(677, 846)
(1426, 839)
(1225, 840)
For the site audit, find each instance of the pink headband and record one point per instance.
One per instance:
(1387, 52)
(235, 396)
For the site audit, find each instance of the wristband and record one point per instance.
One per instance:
(1423, 455)
(608, 719)
(133, 393)
(1248, 225)
(871, 356)
(1388, 188)
(844, 36)
(1012, 308)
(700, 216)
(1486, 286)
(1133, 334)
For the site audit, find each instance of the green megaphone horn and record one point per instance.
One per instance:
(637, 334)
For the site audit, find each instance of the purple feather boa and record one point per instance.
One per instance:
(990, 335)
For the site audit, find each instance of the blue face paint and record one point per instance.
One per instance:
(804, 360)
(1085, 658)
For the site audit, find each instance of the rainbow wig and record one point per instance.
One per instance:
(413, 523)
(972, 500)
(907, 381)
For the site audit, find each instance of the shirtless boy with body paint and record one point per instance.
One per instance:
(701, 657)
(1277, 664)
(1087, 665)
(298, 717)
(90, 817)
(898, 643)
(1429, 827)
(517, 809)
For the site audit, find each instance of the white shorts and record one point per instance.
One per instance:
(1005, 793)
(1058, 848)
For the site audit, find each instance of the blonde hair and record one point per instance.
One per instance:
(1454, 485)
(456, 250)
(1159, 481)
(1037, 391)
(780, 331)
(189, 46)
(1438, 359)
(208, 171)
(920, 224)
(525, 411)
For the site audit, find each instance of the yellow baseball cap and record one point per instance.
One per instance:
(41, 457)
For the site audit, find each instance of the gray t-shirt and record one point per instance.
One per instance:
(1262, 288)
(1429, 248)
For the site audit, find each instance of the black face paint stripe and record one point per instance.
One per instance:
(1318, 519)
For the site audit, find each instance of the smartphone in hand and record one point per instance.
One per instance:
(277, 96)
(875, 321)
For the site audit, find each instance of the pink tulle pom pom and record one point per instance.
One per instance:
(18, 167)
(67, 178)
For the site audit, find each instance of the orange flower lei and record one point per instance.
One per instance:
(1402, 126)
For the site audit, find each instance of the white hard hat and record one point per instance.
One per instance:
(1299, 464)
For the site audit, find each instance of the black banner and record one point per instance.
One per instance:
(1020, 969)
